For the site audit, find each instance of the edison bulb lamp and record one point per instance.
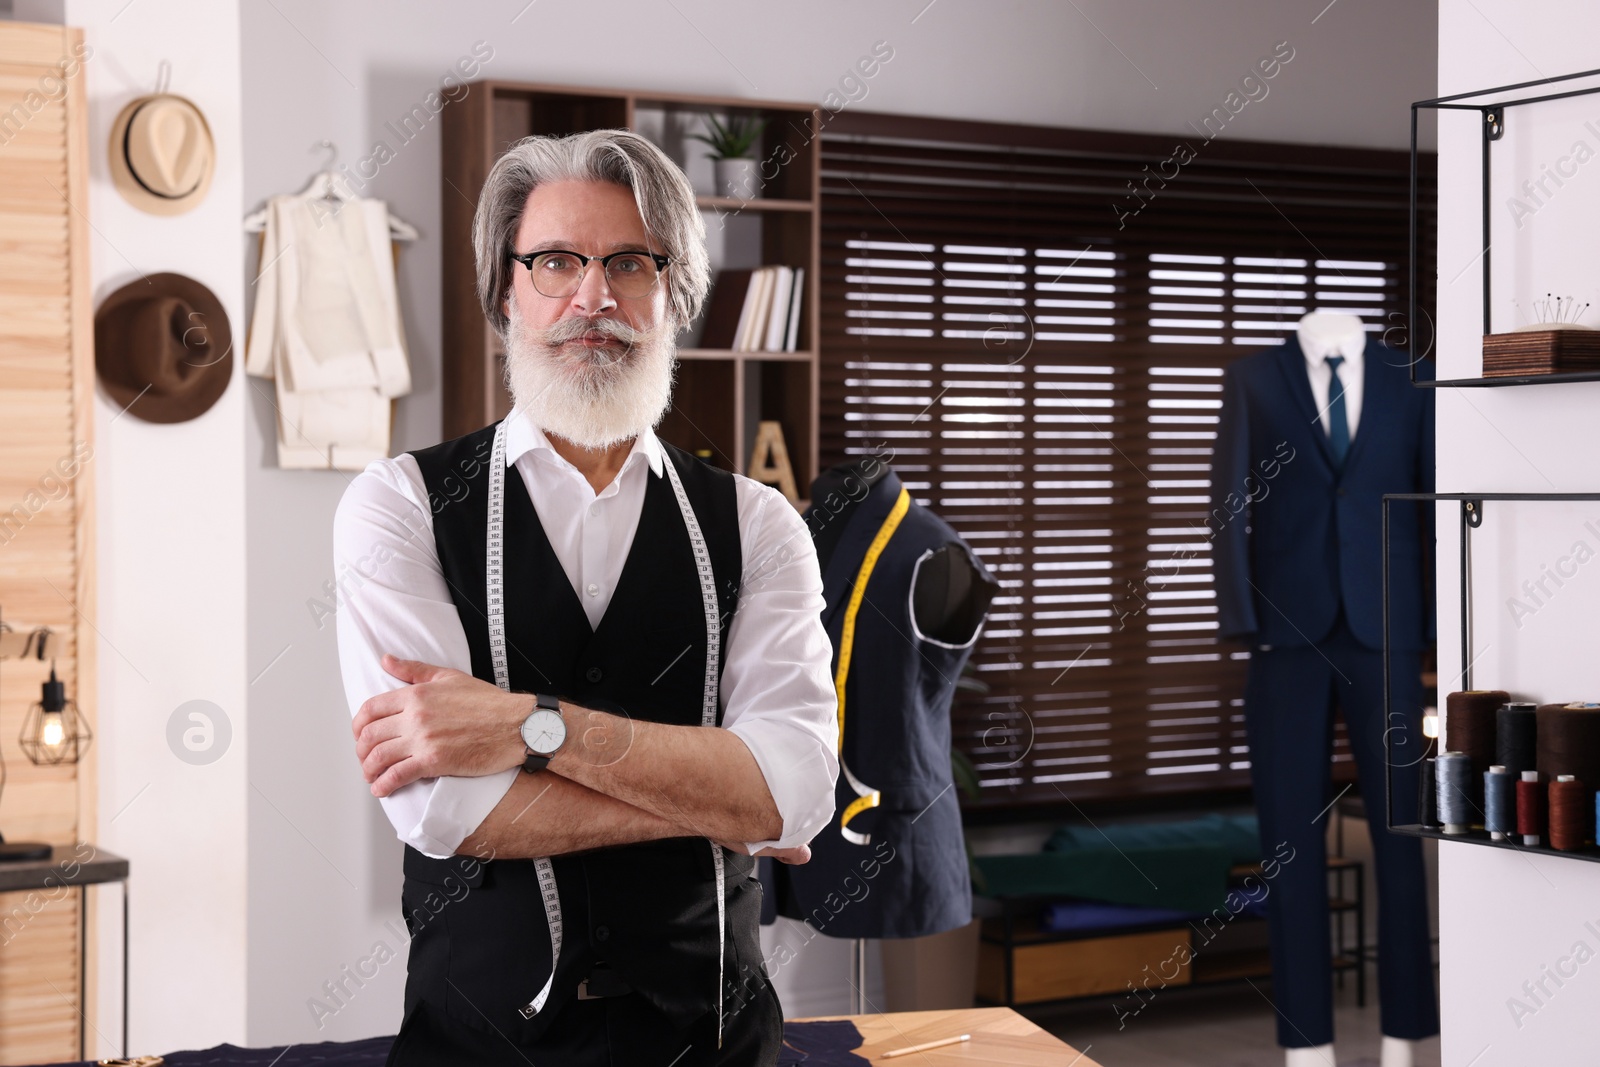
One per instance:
(53, 731)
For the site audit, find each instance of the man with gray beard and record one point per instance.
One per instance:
(588, 674)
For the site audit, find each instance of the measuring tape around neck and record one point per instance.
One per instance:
(494, 579)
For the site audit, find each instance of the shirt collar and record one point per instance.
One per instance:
(1351, 348)
(522, 437)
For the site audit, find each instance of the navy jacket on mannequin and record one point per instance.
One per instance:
(1285, 512)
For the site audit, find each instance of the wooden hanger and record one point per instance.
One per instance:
(325, 185)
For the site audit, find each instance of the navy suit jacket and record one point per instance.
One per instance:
(1294, 536)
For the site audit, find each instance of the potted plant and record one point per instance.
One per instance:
(731, 144)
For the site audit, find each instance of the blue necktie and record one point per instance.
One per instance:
(1338, 424)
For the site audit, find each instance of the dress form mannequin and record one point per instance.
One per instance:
(906, 598)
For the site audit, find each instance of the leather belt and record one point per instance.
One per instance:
(603, 982)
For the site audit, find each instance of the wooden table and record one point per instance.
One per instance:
(999, 1036)
(89, 866)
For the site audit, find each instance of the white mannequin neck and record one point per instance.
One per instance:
(1330, 333)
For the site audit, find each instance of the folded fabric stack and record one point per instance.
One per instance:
(327, 328)
(1181, 865)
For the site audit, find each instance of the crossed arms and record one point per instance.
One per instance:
(615, 780)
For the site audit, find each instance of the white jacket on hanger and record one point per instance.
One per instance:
(327, 328)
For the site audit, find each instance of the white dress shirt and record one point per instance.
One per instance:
(1350, 373)
(777, 691)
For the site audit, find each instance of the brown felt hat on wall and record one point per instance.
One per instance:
(163, 348)
(161, 153)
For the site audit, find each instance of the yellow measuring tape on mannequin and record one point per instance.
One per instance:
(867, 797)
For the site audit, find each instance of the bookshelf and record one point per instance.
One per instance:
(721, 395)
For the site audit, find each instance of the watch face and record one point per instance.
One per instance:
(543, 731)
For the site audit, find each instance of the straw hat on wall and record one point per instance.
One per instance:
(162, 155)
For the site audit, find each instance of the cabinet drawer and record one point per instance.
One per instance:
(1088, 967)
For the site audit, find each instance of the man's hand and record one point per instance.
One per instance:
(445, 722)
(798, 854)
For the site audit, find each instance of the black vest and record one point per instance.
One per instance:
(911, 879)
(480, 945)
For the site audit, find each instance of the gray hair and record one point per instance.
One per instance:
(621, 157)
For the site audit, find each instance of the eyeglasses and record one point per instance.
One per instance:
(558, 273)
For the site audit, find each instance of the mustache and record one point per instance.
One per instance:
(570, 329)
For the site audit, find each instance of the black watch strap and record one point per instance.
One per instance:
(535, 762)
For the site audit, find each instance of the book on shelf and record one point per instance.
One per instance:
(792, 334)
(761, 308)
(755, 310)
(778, 310)
(725, 312)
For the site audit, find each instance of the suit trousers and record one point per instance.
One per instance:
(1289, 702)
(614, 1031)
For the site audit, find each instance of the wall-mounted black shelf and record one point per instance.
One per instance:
(1472, 516)
(1493, 128)
(1517, 379)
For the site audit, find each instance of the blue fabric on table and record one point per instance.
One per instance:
(822, 1043)
(1073, 915)
(370, 1052)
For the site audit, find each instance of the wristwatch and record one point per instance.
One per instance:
(543, 732)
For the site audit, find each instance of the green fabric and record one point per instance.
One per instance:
(1186, 877)
(1181, 865)
(1238, 835)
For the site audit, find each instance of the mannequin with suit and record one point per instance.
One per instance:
(1312, 434)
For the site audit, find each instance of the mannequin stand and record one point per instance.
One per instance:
(858, 976)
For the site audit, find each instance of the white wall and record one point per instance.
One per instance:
(171, 539)
(1503, 916)
(198, 524)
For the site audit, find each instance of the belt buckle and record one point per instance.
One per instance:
(607, 983)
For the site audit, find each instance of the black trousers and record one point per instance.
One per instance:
(1289, 702)
(620, 1031)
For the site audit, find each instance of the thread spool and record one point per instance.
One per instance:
(1569, 813)
(1530, 808)
(1428, 800)
(1499, 802)
(1516, 730)
(1454, 772)
(1469, 728)
(1568, 742)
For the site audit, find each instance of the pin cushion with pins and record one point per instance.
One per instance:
(1556, 342)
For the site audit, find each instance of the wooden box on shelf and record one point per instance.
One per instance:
(1555, 351)
(721, 395)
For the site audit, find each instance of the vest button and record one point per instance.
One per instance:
(601, 933)
(595, 675)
